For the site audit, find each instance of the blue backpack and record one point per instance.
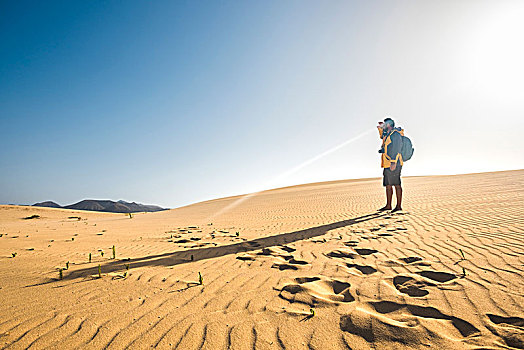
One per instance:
(407, 149)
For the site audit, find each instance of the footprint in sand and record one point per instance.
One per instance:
(410, 260)
(438, 276)
(342, 253)
(510, 329)
(365, 251)
(414, 286)
(287, 249)
(275, 251)
(366, 270)
(407, 324)
(410, 286)
(291, 264)
(284, 266)
(314, 291)
(246, 257)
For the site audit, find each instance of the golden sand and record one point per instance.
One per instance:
(305, 267)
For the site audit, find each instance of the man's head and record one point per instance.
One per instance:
(389, 124)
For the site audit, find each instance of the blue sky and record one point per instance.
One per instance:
(172, 102)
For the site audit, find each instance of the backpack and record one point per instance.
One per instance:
(407, 149)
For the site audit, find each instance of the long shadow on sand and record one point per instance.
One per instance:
(182, 257)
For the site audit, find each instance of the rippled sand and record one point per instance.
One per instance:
(304, 267)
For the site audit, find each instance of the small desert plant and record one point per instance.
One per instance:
(13, 254)
(114, 252)
(89, 257)
(99, 271)
(60, 273)
(200, 279)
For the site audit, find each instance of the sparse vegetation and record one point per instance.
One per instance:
(200, 279)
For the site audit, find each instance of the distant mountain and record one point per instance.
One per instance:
(48, 204)
(104, 205)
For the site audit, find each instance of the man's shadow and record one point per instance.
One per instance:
(186, 256)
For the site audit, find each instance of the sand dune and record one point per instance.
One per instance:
(305, 267)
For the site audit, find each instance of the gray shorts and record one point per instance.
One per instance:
(392, 178)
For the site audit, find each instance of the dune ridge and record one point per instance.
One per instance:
(306, 267)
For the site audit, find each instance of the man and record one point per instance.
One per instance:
(391, 161)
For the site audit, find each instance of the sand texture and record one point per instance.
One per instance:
(304, 267)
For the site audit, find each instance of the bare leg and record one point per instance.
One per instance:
(398, 192)
(389, 197)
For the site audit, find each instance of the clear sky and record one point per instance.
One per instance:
(173, 102)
